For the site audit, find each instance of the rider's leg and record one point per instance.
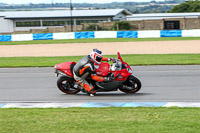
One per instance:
(88, 87)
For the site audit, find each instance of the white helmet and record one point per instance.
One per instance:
(96, 56)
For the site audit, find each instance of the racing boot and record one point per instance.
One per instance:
(92, 92)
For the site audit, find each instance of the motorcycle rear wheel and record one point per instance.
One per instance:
(66, 85)
(132, 85)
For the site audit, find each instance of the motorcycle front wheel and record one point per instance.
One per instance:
(132, 85)
(66, 85)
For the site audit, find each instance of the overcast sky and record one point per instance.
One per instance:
(67, 1)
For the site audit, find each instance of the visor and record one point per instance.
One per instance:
(98, 58)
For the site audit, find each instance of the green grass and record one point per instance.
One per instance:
(100, 120)
(143, 59)
(99, 40)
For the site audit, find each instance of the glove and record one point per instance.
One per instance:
(109, 79)
(112, 59)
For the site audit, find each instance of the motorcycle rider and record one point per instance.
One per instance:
(86, 67)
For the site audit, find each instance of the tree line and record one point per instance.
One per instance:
(148, 7)
(188, 6)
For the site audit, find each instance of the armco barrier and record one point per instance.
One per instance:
(191, 33)
(68, 35)
(127, 34)
(102, 34)
(22, 37)
(171, 33)
(5, 38)
(105, 34)
(43, 36)
(83, 35)
(149, 34)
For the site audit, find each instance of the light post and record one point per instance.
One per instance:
(52, 4)
(71, 8)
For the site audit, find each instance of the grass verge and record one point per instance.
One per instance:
(98, 40)
(143, 59)
(97, 120)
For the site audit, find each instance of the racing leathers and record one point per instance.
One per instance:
(84, 68)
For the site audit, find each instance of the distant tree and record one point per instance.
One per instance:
(121, 25)
(188, 6)
(158, 6)
(93, 27)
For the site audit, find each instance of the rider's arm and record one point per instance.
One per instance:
(108, 59)
(105, 59)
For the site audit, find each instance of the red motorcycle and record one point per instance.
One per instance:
(121, 72)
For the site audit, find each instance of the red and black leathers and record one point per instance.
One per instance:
(84, 68)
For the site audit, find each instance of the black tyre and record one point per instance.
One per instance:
(66, 85)
(132, 85)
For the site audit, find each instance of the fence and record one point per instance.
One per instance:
(102, 34)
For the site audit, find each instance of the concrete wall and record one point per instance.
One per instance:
(153, 24)
(107, 25)
(28, 28)
(6, 25)
(192, 23)
(185, 23)
(66, 28)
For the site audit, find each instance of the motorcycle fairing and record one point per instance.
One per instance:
(122, 74)
(109, 86)
(66, 67)
(102, 69)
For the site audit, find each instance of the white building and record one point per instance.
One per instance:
(160, 16)
(26, 20)
(166, 20)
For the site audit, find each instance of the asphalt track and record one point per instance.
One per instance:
(160, 84)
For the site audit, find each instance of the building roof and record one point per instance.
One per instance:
(64, 13)
(154, 16)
